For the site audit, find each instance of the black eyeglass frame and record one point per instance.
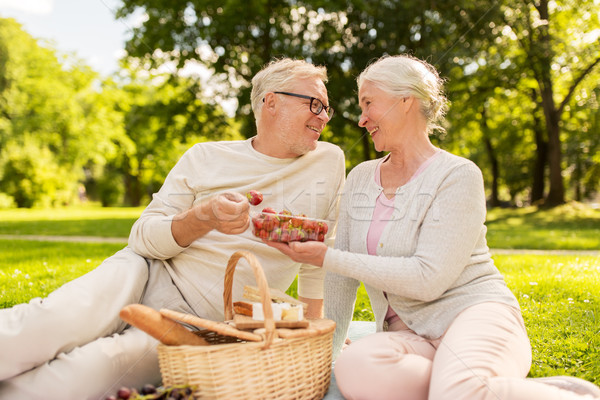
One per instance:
(329, 111)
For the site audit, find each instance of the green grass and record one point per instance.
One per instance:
(74, 221)
(559, 295)
(560, 301)
(34, 269)
(571, 226)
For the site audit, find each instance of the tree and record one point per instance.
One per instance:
(559, 61)
(537, 49)
(51, 120)
(162, 116)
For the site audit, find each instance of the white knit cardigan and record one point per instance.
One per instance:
(432, 259)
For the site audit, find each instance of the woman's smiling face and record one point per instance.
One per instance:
(380, 116)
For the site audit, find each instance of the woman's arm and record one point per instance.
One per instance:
(450, 227)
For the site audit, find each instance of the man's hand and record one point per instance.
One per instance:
(226, 212)
(229, 213)
(311, 252)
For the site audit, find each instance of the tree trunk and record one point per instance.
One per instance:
(494, 201)
(539, 168)
(541, 159)
(556, 195)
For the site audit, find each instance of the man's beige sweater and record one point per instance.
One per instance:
(309, 184)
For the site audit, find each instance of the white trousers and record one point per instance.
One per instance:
(73, 345)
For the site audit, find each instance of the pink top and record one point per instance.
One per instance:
(382, 213)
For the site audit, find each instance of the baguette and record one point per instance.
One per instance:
(159, 327)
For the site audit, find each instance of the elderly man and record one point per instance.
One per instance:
(73, 345)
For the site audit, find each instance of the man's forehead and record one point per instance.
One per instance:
(310, 87)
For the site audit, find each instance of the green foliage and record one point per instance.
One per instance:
(505, 62)
(60, 127)
(52, 122)
(162, 118)
(522, 80)
(32, 176)
(6, 201)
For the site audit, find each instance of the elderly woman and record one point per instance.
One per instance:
(411, 227)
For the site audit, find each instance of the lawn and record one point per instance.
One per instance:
(34, 269)
(74, 221)
(559, 295)
(560, 301)
(572, 226)
(569, 227)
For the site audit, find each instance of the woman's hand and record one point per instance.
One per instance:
(311, 252)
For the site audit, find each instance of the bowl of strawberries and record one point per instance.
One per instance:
(286, 227)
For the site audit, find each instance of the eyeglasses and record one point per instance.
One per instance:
(316, 105)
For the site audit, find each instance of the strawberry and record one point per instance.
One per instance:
(285, 215)
(269, 222)
(254, 197)
(258, 223)
(269, 210)
(297, 235)
(322, 227)
(275, 235)
(309, 225)
(297, 220)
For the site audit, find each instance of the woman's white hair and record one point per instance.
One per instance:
(278, 75)
(404, 75)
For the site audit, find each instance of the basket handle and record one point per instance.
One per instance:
(263, 287)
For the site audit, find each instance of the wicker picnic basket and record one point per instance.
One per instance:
(270, 363)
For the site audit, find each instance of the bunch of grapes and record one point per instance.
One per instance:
(148, 392)
(286, 227)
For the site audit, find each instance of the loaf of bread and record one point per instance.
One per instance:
(159, 327)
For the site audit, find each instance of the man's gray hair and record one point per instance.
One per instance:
(278, 75)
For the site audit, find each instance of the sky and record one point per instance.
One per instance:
(86, 28)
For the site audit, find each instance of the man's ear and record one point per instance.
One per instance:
(270, 102)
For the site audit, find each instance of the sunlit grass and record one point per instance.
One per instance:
(72, 221)
(571, 226)
(560, 301)
(34, 269)
(559, 295)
